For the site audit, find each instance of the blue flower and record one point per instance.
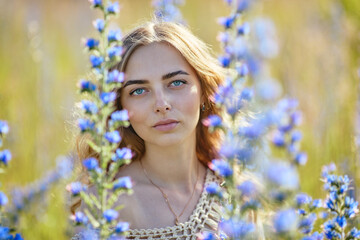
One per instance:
(283, 175)
(247, 94)
(121, 115)
(75, 188)
(302, 199)
(256, 128)
(89, 107)
(248, 188)
(213, 189)
(96, 3)
(328, 169)
(114, 52)
(110, 215)
(354, 233)
(96, 61)
(351, 207)
(5, 156)
(80, 218)
(221, 167)
(296, 136)
(107, 97)
(99, 24)
(115, 77)
(113, 8)
(4, 127)
(279, 139)
(114, 35)
(64, 166)
(18, 237)
(206, 236)
(330, 230)
(341, 221)
(121, 227)
(301, 158)
(3, 199)
(5, 233)
(242, 5)
(85, 125)
(225, 60)
(212, 121)
(307, 223)
(285, 221)
(223, 37)
(121, 154)
(123, 183)
(91, 43)
(113, 137)
(317, 203)
(296, 118)
(86, 86)
(90, 163)
(227, 22)
(244, 29)
(89, 234)
(236, 229)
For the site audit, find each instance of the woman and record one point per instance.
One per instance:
(170, 78)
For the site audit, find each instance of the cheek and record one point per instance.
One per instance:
(190, 104)
(136, 111)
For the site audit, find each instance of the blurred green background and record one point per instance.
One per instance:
(42, 59)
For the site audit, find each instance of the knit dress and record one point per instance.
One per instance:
(205, 217)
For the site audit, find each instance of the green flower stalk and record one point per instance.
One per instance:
(101, 122)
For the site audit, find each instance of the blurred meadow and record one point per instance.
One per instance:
(42, 59)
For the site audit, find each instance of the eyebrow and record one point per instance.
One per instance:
(164, 77)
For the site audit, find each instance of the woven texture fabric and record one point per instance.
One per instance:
(205, 217)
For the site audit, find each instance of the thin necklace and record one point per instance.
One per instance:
(166, 197)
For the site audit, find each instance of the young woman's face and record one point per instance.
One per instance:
(162, 94)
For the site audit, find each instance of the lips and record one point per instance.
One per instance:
(166, 125)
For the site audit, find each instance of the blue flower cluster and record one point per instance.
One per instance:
(6, 232)
(102, 122)
(342, 207)
(287, 118)
(32, 197)
(5, 155)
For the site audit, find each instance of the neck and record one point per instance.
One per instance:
(172, 166)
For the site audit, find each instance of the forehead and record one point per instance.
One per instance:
(156, 59)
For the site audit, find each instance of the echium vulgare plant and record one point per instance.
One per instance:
(258, 190)
(6, 230)
(337, 211)
(32, 198)
(100, 122)
(168, 10)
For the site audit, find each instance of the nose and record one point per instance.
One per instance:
(162, 105)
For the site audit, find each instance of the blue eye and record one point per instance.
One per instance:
(177, 83)
(137, 91)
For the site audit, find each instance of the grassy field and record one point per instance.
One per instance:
(41, 60)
